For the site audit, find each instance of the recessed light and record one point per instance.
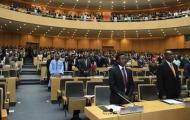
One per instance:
(112, 2)
(100, 2)
(124, 2)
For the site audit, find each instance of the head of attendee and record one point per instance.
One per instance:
(52, 56)
(121, 59)
(57, 56)
(169, 56)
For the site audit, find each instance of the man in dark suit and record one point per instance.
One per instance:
(84, 66)
(68, 64)
(47, 65)
(121, 81)
(168, 81)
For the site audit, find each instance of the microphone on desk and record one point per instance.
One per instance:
(132, 109)
(125, 98)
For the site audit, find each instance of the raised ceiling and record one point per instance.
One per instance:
(116, 5)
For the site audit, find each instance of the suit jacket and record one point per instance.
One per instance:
(82, 65)
(47, 65)
(117, 85)
(69, 63)
(168, 84)
(83, 68)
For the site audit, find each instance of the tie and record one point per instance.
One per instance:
(86, 62)
(124, 78)
(173, 70)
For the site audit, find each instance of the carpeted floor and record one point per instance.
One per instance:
(33, 103)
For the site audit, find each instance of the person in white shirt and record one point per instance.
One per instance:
(176, 61)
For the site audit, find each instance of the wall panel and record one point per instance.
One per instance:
(59, 42)
(140, 45)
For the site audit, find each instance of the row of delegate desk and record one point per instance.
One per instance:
(55, 82)
(10, 88)
(153, 110)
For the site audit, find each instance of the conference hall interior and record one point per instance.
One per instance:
(94, 59)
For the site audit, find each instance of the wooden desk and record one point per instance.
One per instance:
(153, 110)
(4, 114)
(95, 113)
(11, 87)
(55, 85)
(43, 74)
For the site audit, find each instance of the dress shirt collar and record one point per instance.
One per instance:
(169, 63)
(120, 67)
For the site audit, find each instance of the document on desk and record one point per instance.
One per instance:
(66, 77)
(89, 96)
(172, 101)
(115, 108)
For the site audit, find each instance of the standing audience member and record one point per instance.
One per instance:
(84, 65)
(56, 68)
(168, 81)
(48, 71)
(121, 81)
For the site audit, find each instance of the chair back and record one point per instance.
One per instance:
(74, 89)
(3, 86)
(90, 86)
(13, 73)
(63, 81)
(1, 99)
(147, 92)
(5, 73)
(102, 95)
(84, 80)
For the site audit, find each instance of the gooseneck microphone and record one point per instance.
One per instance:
(125, 98)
